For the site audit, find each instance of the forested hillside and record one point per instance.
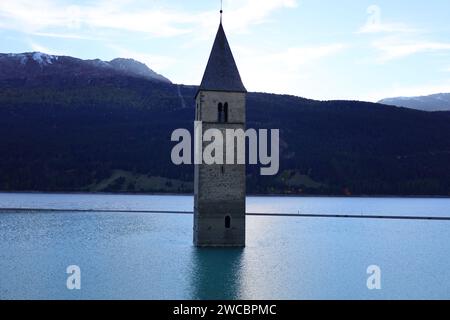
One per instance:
(111, 132)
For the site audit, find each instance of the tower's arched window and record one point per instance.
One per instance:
(220, 116)
(227, 222)
(225, 111)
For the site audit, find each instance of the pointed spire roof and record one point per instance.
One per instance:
(221, 72)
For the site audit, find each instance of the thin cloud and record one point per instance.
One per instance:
(397, 40)
(42, 16)
(47, 16)
(374, 28)
(375, 24)
(243, 14)
(64, 36)
(295, 57)
(283, 71)
(40, 48)
(393, 48)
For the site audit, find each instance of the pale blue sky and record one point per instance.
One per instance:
(322, 49)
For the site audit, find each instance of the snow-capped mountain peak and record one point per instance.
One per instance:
(38, 57)
(43, 58)
(31, 65)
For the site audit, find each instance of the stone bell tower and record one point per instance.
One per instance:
(219, 204)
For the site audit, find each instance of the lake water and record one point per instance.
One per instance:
(133, 255)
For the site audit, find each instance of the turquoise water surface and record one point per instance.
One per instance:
(131, 255)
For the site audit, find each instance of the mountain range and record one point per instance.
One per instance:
(33, 65)
(68, 124)
(434, 102)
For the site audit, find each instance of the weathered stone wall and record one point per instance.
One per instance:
(220, 189)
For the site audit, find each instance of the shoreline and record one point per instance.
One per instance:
(248, 195)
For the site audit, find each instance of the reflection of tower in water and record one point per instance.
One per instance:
(216, 274)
